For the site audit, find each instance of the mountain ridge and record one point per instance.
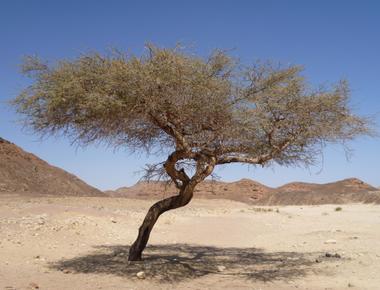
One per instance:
(24, 173)
(250, 191)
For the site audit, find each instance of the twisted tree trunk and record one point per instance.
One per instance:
(182, 199)
(204, 166)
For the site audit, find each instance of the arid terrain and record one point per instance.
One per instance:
(351, 190)
(57, 232)
(82, 243)
(24, 173)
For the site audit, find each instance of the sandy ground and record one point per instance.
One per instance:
(82, 243)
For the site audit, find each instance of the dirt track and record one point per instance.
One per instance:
(82, 243)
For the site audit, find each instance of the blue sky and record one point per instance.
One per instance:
(332, 39)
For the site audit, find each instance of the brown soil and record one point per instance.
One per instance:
(24, 173)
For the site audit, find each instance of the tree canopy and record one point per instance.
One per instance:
(173, 100)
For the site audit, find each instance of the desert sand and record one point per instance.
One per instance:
(82, 243)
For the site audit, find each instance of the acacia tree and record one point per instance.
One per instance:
(202, 112)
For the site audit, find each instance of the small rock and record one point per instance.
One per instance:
(221, 268)
(34, 285)
(66, 271)
(330, 242)
(141, 275)
(317, 260)
(121, 254)
(350, 285)
(113, 220)
(336, 255)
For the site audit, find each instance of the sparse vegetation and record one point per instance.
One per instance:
(262, 209)
(338, 208)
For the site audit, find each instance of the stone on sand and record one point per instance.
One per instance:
(141, 275)
(330, 241)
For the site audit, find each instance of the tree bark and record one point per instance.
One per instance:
(182, 199)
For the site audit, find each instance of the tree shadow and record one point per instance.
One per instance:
(178, 262)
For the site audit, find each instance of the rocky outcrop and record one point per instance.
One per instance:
(24, 173)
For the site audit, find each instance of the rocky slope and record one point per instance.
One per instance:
(345, 191)
(244, 190)
(24, 173)
(350, 190)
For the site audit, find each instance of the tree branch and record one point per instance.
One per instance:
(179, 177)
(261, 160)
(170, 129)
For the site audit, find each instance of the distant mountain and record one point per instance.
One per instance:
(25, 173)
(350, 190)
(345, 191)
(244, 190)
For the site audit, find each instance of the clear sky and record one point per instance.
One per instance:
(332, 39)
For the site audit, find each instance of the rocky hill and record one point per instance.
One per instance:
(24, 173)
(345, 191)
(350, 190)
(244, 190)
